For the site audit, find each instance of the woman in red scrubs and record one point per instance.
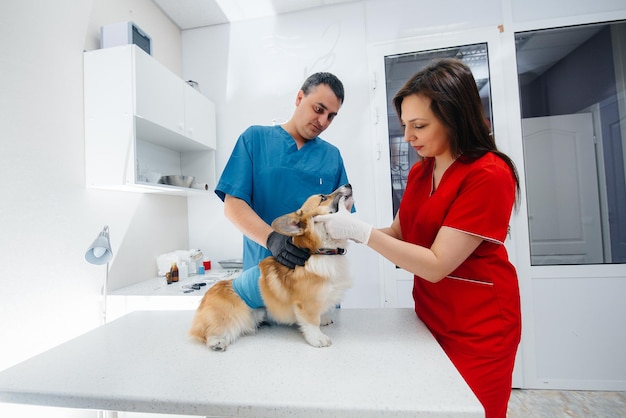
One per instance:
(450, 229)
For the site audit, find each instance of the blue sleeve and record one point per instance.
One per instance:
(236, 179)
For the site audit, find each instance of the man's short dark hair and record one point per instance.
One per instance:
(329, 79)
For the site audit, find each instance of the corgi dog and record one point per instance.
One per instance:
(304, 295)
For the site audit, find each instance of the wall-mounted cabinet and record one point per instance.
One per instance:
(143, 122)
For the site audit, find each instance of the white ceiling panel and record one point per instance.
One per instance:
(189, 14)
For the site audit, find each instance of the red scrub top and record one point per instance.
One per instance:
(476, 309)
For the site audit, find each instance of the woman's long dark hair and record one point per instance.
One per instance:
(455, 101)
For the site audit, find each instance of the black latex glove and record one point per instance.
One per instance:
(283, 249)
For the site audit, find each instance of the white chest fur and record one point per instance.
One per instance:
(335, 268)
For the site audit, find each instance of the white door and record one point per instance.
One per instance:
(392, 64)
(397, 284)
(564, 215)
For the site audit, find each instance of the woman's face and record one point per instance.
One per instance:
(426, 134)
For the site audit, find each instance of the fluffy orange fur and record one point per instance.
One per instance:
(291, 296)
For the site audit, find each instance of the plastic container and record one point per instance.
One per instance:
(183, 270)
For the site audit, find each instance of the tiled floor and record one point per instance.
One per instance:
(526, 403)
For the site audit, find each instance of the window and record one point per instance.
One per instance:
(573, 109)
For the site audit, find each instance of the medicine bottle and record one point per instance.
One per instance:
(174, 272)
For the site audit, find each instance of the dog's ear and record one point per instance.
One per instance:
(288, 225)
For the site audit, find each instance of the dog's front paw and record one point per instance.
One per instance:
(318, 340)
(217, 343)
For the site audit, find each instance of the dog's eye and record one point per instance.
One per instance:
(323, 198)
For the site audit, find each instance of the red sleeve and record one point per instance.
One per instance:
(484, 202)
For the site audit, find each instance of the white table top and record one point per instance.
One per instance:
(383, 363)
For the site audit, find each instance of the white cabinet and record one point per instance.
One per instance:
(199, 117)
(143, 122)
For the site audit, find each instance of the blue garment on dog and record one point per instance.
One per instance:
(248, 289)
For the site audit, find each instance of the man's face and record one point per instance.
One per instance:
(316, 111)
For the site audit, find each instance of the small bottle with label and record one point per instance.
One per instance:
(192, 266)
(174, 272)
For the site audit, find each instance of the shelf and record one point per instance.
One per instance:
(143, 122)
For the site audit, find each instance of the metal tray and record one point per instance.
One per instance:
(235, 263)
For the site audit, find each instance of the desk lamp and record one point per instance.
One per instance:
(100, 253)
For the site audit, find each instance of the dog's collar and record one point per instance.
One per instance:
(330, 251)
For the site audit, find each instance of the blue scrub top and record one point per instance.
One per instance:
(268, 172)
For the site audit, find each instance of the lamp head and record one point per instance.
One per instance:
(100, 251)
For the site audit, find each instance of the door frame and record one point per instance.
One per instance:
(533, 280)
(395, 283)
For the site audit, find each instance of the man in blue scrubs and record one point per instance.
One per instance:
(274, 169)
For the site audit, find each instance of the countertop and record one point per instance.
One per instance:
(155, 294)
(158, 286)
(383, 363)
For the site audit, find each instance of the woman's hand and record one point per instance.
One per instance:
(344, 225)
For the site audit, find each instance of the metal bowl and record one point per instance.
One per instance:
(179, 181)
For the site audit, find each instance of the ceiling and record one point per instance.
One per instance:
(540, 50)
(536, 52)
(189, 14)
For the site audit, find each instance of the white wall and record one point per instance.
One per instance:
(253, 70)
(48, 293)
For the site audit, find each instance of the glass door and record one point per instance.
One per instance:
(394, 64)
